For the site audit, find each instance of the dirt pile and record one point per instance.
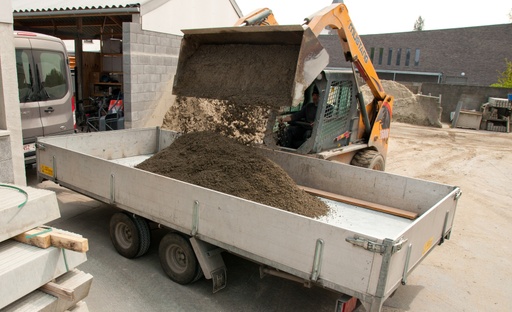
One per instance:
(409, 107)
(214, 161)
(248, 74)
(232, 89)
(247, 124)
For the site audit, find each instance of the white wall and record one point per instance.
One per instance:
(174, 15)
(12, 163)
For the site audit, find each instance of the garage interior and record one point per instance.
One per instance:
(98, 76)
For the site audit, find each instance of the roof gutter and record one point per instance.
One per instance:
(76, 12)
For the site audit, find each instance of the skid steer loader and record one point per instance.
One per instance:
(258, 62)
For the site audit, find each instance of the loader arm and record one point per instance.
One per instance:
(336, 16)
(260, 17)
(376, 115)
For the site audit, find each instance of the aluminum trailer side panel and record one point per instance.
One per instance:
(325, 250)
(268, 235)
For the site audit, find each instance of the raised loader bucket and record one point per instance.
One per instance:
(260, 65)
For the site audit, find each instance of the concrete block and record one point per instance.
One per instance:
(34, 301)
(76, 281)
(79, 307)
(149, 49)
(469, 119)
(24, 268)
(41, 207)
(7, 172)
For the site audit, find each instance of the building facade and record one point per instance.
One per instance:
(465, 56)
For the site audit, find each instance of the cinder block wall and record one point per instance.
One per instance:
(452, 94)
(149, 63)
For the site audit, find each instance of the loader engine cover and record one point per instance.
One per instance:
(265, 66)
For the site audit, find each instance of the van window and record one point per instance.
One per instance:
(41, 75)
(53, 69)
(25, 78)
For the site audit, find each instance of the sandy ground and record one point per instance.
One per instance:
(473, 270)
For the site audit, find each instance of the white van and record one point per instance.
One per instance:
(45, 89)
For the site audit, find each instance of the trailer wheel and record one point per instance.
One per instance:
(178, 259)
(130, 234)
(370, 159)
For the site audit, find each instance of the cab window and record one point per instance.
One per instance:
(53, 74)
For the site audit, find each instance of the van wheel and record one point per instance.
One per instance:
(178, 259)
(370, 159)
(129, 234)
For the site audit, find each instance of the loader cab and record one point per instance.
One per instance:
(337, 117)
(44, 88)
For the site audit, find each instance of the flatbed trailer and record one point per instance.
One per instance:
(352, 250)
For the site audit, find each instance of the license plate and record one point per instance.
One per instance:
(29, 147)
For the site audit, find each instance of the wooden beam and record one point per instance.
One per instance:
(71, 242)
(44, 238)
(58, 291)
(361, 203)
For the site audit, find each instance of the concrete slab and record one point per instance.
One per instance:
(24, 268)
(23, 208)
(76, 281)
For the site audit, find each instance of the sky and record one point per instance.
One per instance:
(389, 16)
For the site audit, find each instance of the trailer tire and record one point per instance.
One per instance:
(129, 234)
(178, 259)
(370, 159)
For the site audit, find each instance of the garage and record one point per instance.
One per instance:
(136, 47)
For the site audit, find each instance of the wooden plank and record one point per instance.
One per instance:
(71, 242)
(44, 238)
(35, 237)
(58, 291)
(361, 203)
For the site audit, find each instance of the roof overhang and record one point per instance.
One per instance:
(73, 23)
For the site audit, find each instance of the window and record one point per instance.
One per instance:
(381, 54)
(53, 71)
(398, 56)
(372, 53)
(390, 56)
(25, 78)
(407, 56)
(417, 58)
(42, 75)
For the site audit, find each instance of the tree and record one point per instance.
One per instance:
(505, 78)
(418, 25)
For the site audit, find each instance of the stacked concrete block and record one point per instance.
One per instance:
(33, 278)
(18, 216)
(150, 61)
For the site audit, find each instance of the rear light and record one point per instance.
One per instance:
(28, 34)
(73, 108)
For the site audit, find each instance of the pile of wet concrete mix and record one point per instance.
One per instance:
(219, 122)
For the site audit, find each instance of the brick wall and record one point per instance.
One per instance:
(149, 63)
(478, 52)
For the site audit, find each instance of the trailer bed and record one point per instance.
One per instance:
(352, 250)
(351, 217)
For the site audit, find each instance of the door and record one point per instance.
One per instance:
(44, 93)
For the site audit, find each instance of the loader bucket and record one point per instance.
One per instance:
(261, 65)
